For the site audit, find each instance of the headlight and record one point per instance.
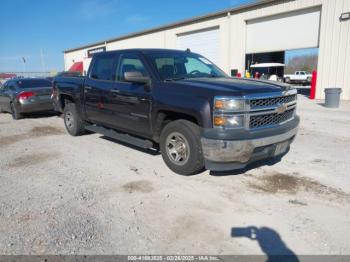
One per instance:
(229, 121)
(226, 112)
(229, 104)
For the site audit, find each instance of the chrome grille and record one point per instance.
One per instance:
(272, 101)
(257, 121)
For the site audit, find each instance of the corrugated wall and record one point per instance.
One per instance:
(334, 52)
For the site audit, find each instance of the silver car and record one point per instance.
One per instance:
(25, 95)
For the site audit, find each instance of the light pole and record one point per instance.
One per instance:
(24, 65)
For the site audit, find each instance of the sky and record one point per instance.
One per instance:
(31, 28)
(27, 27)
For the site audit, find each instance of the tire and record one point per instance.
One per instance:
(287, 80)
(187, 157)
(14, 112)
(74, 124)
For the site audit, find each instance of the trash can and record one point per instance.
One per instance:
(332, 97)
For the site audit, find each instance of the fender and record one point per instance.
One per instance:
(197, 109)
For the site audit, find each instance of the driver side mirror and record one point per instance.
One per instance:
(136, 77)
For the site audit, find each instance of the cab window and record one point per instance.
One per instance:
(102, 68)
(130, 63)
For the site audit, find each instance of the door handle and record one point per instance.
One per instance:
(115, 91)
(88, 87)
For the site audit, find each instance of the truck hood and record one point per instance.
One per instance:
(238, 86)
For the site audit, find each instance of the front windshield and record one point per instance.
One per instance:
(173, 65)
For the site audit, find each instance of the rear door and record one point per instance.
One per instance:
(97, 89)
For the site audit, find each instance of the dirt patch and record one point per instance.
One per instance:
(35, 132)
(275, 182)
(32, 159)
(188, 228)
(27, 217)
(142, 186)
(297, 202)
(45, 131)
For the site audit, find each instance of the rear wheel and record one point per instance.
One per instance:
(287, 80)
(72, 120)
(181, 147)
(14, 112)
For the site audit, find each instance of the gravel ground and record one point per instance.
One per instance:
(90, 195)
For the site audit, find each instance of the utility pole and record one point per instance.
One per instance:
(24, 65)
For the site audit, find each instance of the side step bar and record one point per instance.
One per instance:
(139, 142)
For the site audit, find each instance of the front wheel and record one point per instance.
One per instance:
(72, 120)
(181, 147)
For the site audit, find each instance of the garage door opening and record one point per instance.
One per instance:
(300, 64)
(282, 40)
(301, 60)
(291, 66)
(271, 60)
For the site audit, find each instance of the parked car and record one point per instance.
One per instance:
(299, 77)
(25, 95)
(182, 102)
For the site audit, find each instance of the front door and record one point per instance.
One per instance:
(131, 102)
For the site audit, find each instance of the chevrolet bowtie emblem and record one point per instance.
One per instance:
(281, 108)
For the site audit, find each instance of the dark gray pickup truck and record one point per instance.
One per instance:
(183, 104)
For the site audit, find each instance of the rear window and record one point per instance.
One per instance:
(32, 83)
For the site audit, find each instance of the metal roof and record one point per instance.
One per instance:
(238, 9)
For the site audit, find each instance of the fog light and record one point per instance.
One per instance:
(229, 121)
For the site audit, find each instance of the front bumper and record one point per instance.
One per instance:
(224, 154)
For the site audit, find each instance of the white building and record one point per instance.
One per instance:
(229, 36)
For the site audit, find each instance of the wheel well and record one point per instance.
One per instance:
(65, 99)
(164, 117)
